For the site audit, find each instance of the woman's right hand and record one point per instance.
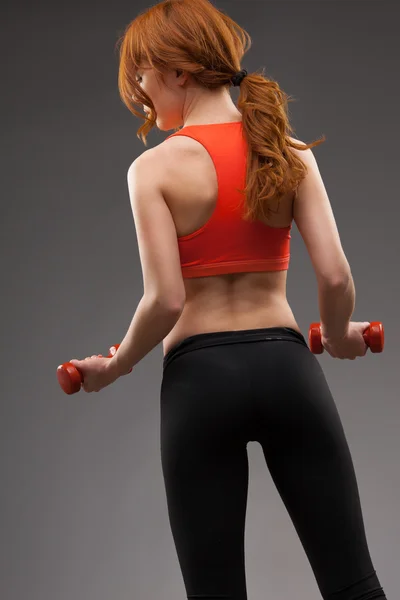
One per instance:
(351, 345)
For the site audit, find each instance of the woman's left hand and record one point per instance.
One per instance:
(97, 372)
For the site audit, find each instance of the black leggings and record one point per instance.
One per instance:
(222, 390)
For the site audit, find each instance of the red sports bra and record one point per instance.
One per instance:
(226, 243)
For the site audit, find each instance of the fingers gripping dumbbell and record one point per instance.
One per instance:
(374, 337)
(70, 378)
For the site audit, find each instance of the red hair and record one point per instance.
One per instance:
(196, 37)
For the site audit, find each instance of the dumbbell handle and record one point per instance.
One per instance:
(374, 337)
(70, 378)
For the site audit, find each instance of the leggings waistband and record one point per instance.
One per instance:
(218, 338)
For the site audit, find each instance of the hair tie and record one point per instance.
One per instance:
(238, 77)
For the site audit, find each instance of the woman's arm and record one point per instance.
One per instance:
(314, 218)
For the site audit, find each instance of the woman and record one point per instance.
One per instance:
(236, 366)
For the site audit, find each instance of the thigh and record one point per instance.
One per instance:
(205, 469)
(310, 463)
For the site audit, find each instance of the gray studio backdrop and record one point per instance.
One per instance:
(83, 510)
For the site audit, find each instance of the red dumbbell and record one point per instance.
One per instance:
(374, 337)
(70, 378)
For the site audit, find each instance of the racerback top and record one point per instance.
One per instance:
(226, 243)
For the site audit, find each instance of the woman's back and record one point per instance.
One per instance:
(221, 302)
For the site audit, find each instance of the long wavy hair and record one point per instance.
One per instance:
(196, 37)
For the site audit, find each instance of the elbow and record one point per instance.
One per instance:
(336, 280)
(176, 308)
(336, 273)
(175, 304)
(171, 306)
